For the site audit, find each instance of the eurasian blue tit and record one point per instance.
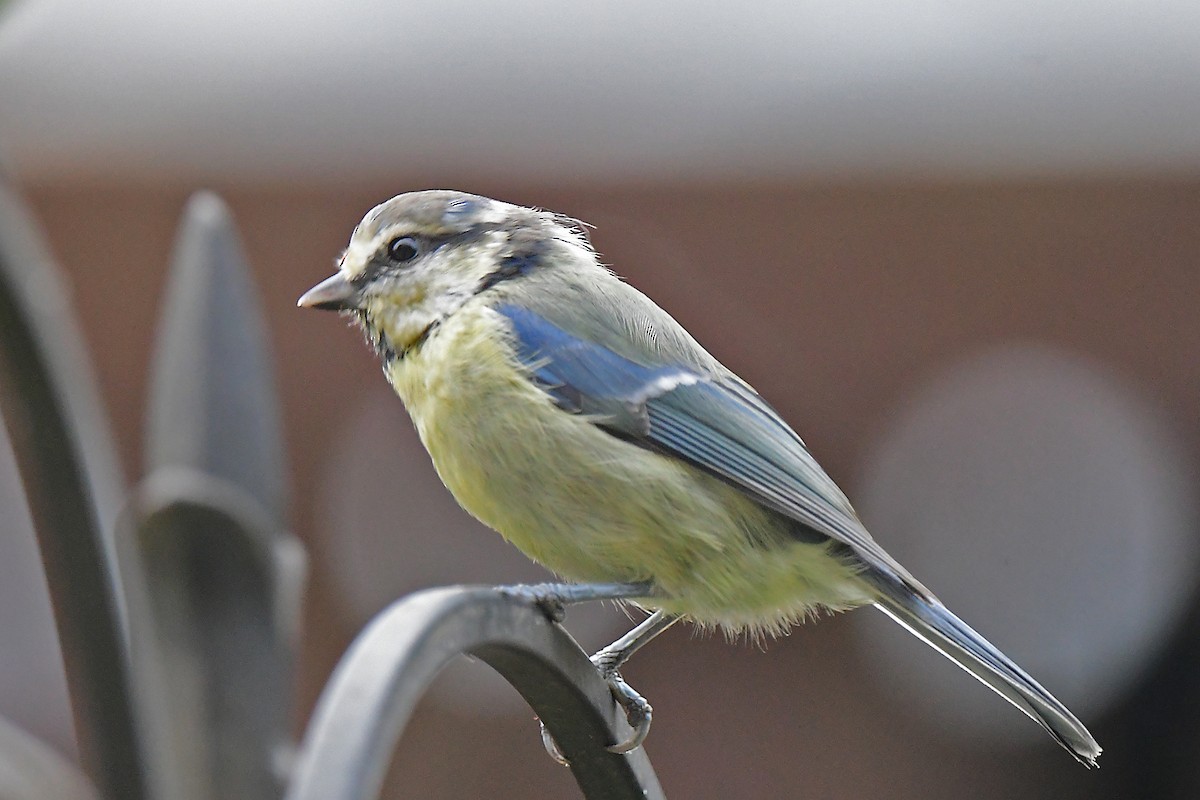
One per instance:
(567, 411)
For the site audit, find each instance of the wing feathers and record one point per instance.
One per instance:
(714, 422)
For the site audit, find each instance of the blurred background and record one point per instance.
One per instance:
(957, 245)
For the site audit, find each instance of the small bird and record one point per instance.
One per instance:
(567, 411)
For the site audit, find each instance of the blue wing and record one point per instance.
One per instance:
(714, 422)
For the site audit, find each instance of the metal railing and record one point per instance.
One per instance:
(178, 603)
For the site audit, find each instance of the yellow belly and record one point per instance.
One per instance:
(594, 508)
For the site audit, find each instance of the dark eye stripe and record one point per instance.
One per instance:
(383, 263)
(387, 259)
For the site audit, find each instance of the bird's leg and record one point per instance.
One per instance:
(553, 598)
(608, 661)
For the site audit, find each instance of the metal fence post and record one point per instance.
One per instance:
(72, 485)
(223, 574)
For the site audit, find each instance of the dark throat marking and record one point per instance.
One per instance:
(382, 347)
(519, 263)
(374, 336)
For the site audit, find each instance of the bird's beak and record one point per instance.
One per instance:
(335, 293)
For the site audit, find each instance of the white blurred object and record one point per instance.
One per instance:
(390, 528)
(1046, 505)
(307, 89)
(32, 770)
(33, 683)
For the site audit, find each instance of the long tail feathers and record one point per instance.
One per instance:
(933, 623)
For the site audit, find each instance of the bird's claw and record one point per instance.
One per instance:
(608, 660)
(552, 746)
(638, 713)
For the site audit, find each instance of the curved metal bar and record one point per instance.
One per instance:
(72, 487)
(367, 702)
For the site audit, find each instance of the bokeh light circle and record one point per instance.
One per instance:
(1046, 504)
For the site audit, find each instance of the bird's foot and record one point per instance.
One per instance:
(638, 713)
(608, 660)
(553, 598)
(548, 597)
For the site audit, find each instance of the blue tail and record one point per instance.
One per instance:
(933, 623)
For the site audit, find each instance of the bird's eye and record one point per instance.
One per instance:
(403, 249)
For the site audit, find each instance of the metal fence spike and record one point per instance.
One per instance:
(223, 574)
(213, 406)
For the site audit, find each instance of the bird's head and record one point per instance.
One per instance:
(416, 259)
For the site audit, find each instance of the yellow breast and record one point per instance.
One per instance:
(595, 508)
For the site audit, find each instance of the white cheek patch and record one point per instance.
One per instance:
(408, 304)
(403, 326)
(461, 269)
